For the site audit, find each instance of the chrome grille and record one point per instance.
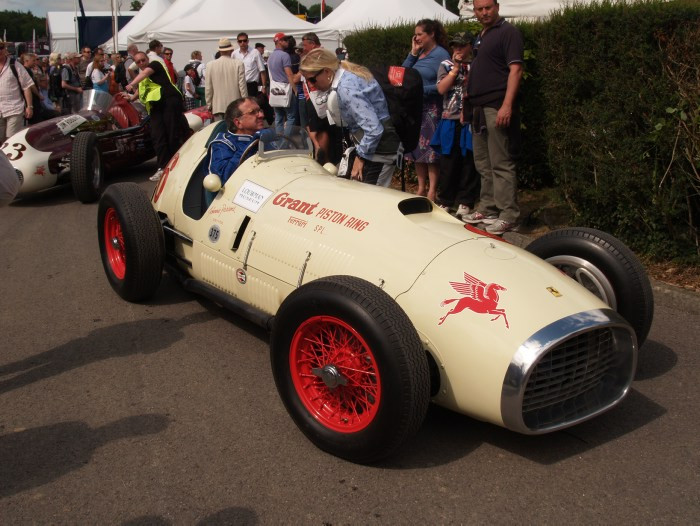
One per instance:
(573, 379)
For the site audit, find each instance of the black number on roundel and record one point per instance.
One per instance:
(214, 233)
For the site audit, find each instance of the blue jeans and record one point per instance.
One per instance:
(285, 118)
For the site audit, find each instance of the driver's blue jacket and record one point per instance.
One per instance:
(225, 153)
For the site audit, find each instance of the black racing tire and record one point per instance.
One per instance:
(350, 368)
(604, 265)
(86, 169)
(132, 244)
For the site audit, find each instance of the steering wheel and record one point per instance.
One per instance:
(249, 151)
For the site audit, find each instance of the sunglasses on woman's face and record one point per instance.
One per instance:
(313, 79)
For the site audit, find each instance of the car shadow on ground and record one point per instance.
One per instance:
(30, 458)
(124, 339)
(447, 436)
(234, 515)
(63, 193)
(654, 360)
(56, 195)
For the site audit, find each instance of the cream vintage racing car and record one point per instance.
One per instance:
(107, 134)
(379, 302)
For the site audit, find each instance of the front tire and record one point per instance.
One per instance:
(605, 266)
(131, 240)
(350, 368)
(86, 168)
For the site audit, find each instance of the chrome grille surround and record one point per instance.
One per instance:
(568, 372)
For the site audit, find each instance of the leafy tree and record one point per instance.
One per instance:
(136, 5)
(315, 11)
(20, 26)
(294, 7)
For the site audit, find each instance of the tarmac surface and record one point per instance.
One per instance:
(166, 413)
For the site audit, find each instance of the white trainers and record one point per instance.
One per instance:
(462, 211)
(500, 227)
(478, 217)
(156, 176)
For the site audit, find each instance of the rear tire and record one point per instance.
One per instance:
(350, 368)
(86, 167)
(131, 240)
(605, 266)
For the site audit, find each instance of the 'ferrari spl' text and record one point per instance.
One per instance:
(302, 207)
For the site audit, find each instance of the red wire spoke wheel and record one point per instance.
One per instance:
(114, 243)
(131, 241)
(335, 374)
(350, 368)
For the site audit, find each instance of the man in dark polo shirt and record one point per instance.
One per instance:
(493, 86)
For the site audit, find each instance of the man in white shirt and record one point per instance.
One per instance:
(155, 51)
(255, 75)
(15, 95)
(131, 68)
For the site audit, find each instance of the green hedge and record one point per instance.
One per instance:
(613, 148)
(611, 117)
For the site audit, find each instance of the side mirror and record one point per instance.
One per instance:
(331, 168)
(212, 182)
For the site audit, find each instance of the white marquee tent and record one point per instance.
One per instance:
(61, 27)
(198, 24)
(151, 10)
(521, 8)
(353, 15)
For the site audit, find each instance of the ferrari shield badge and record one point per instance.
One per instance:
(477, 296)
(241, 276)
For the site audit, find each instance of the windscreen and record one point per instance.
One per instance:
(296, 142)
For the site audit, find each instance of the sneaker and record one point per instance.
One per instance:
(445, 208)
(156, 176)
(478, 217)
(462, 210)
(500, 227)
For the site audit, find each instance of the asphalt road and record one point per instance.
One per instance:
(166, 413)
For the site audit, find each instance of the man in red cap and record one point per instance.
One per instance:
(279, 66)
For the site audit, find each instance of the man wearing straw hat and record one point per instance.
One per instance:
(225, 80)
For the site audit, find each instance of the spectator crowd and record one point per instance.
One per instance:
(468, 136)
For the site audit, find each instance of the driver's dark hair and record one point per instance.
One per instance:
(233, 111)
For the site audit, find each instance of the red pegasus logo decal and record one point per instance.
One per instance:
(478, 297)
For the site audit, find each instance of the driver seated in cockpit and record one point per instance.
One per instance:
(244, 121)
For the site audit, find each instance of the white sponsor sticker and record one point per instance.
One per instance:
(70, 123)
(251, 196)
